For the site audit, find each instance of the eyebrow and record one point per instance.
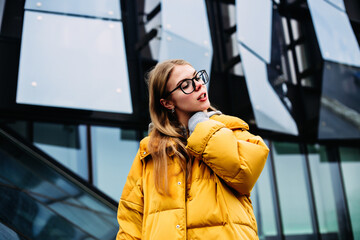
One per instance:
(194, 74)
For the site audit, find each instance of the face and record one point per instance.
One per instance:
(185, 104)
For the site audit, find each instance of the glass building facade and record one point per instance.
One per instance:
(73, 106)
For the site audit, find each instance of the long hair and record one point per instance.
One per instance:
(167, 136)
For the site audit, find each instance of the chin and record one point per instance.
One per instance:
(205, 107)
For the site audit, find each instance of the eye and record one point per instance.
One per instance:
(186, 84)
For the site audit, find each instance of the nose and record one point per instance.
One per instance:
(197, 85)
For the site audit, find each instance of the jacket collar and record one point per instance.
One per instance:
(229, 121)
(144, 150)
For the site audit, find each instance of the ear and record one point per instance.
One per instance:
(167, 103)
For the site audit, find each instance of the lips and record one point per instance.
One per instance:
(202, 97)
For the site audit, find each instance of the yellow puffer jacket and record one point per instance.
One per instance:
(215, 205)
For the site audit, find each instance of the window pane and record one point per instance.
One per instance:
(114, 150)
(270, 112)
(102, 9)
(336, 38)
(350, 165)
(254, 26)
(322, 179)
(2, 5)
(293, 194)
(43, 203)
(186, 37)
(262, 198)
(65, 143)
(79, 64)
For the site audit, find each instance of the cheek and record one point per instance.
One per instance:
(183, 99)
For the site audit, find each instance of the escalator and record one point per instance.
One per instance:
(40, 199)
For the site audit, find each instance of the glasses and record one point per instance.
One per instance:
(188, 86)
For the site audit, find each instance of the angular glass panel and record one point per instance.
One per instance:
(102, 9)
(254, 26)
(334, 33)
(42, 202)
(320, 169)
(270, 112)
(193, 28)
(293, 194)
(187, 37)
(350, 166)
(337, 3)
(76, 213)
(65, 143)
(173, 46)
(43, 190)
(79, 64)
(339, 116)
(33, 219)
(113, 155)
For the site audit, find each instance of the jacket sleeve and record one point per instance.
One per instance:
(235, 155)
(130, 210)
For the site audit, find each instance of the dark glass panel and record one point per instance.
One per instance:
(45, 203)
(350, 166)
(340, 109)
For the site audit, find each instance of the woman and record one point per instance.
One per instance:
(192, 176)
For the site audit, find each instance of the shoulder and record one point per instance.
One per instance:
(144, 147)
(231, 122)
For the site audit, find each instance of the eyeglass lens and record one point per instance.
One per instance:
(188, 86)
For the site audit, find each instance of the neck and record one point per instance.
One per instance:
(183, 119)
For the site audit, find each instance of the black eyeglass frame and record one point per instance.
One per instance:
(198, 75)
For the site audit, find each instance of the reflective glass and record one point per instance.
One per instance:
(20, 127)
(77, 213)
(334, 33)
(113, 155)
(320, 169)
(187, 37)
(8, 233)
(254, 26)
(337, 3)
(2, 6)
(154, 23)
(350, 166)
(174, 46)
(270, 113)
(33, 219)
(293, 194)
(102, 9)
(79, 64)
(340, 96)
(262, 198)
(193, 28)
(43, 203)
(43, 190)
(65, 143)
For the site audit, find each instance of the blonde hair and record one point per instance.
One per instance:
(168, 136)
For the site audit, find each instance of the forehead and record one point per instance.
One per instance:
(180, 72)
